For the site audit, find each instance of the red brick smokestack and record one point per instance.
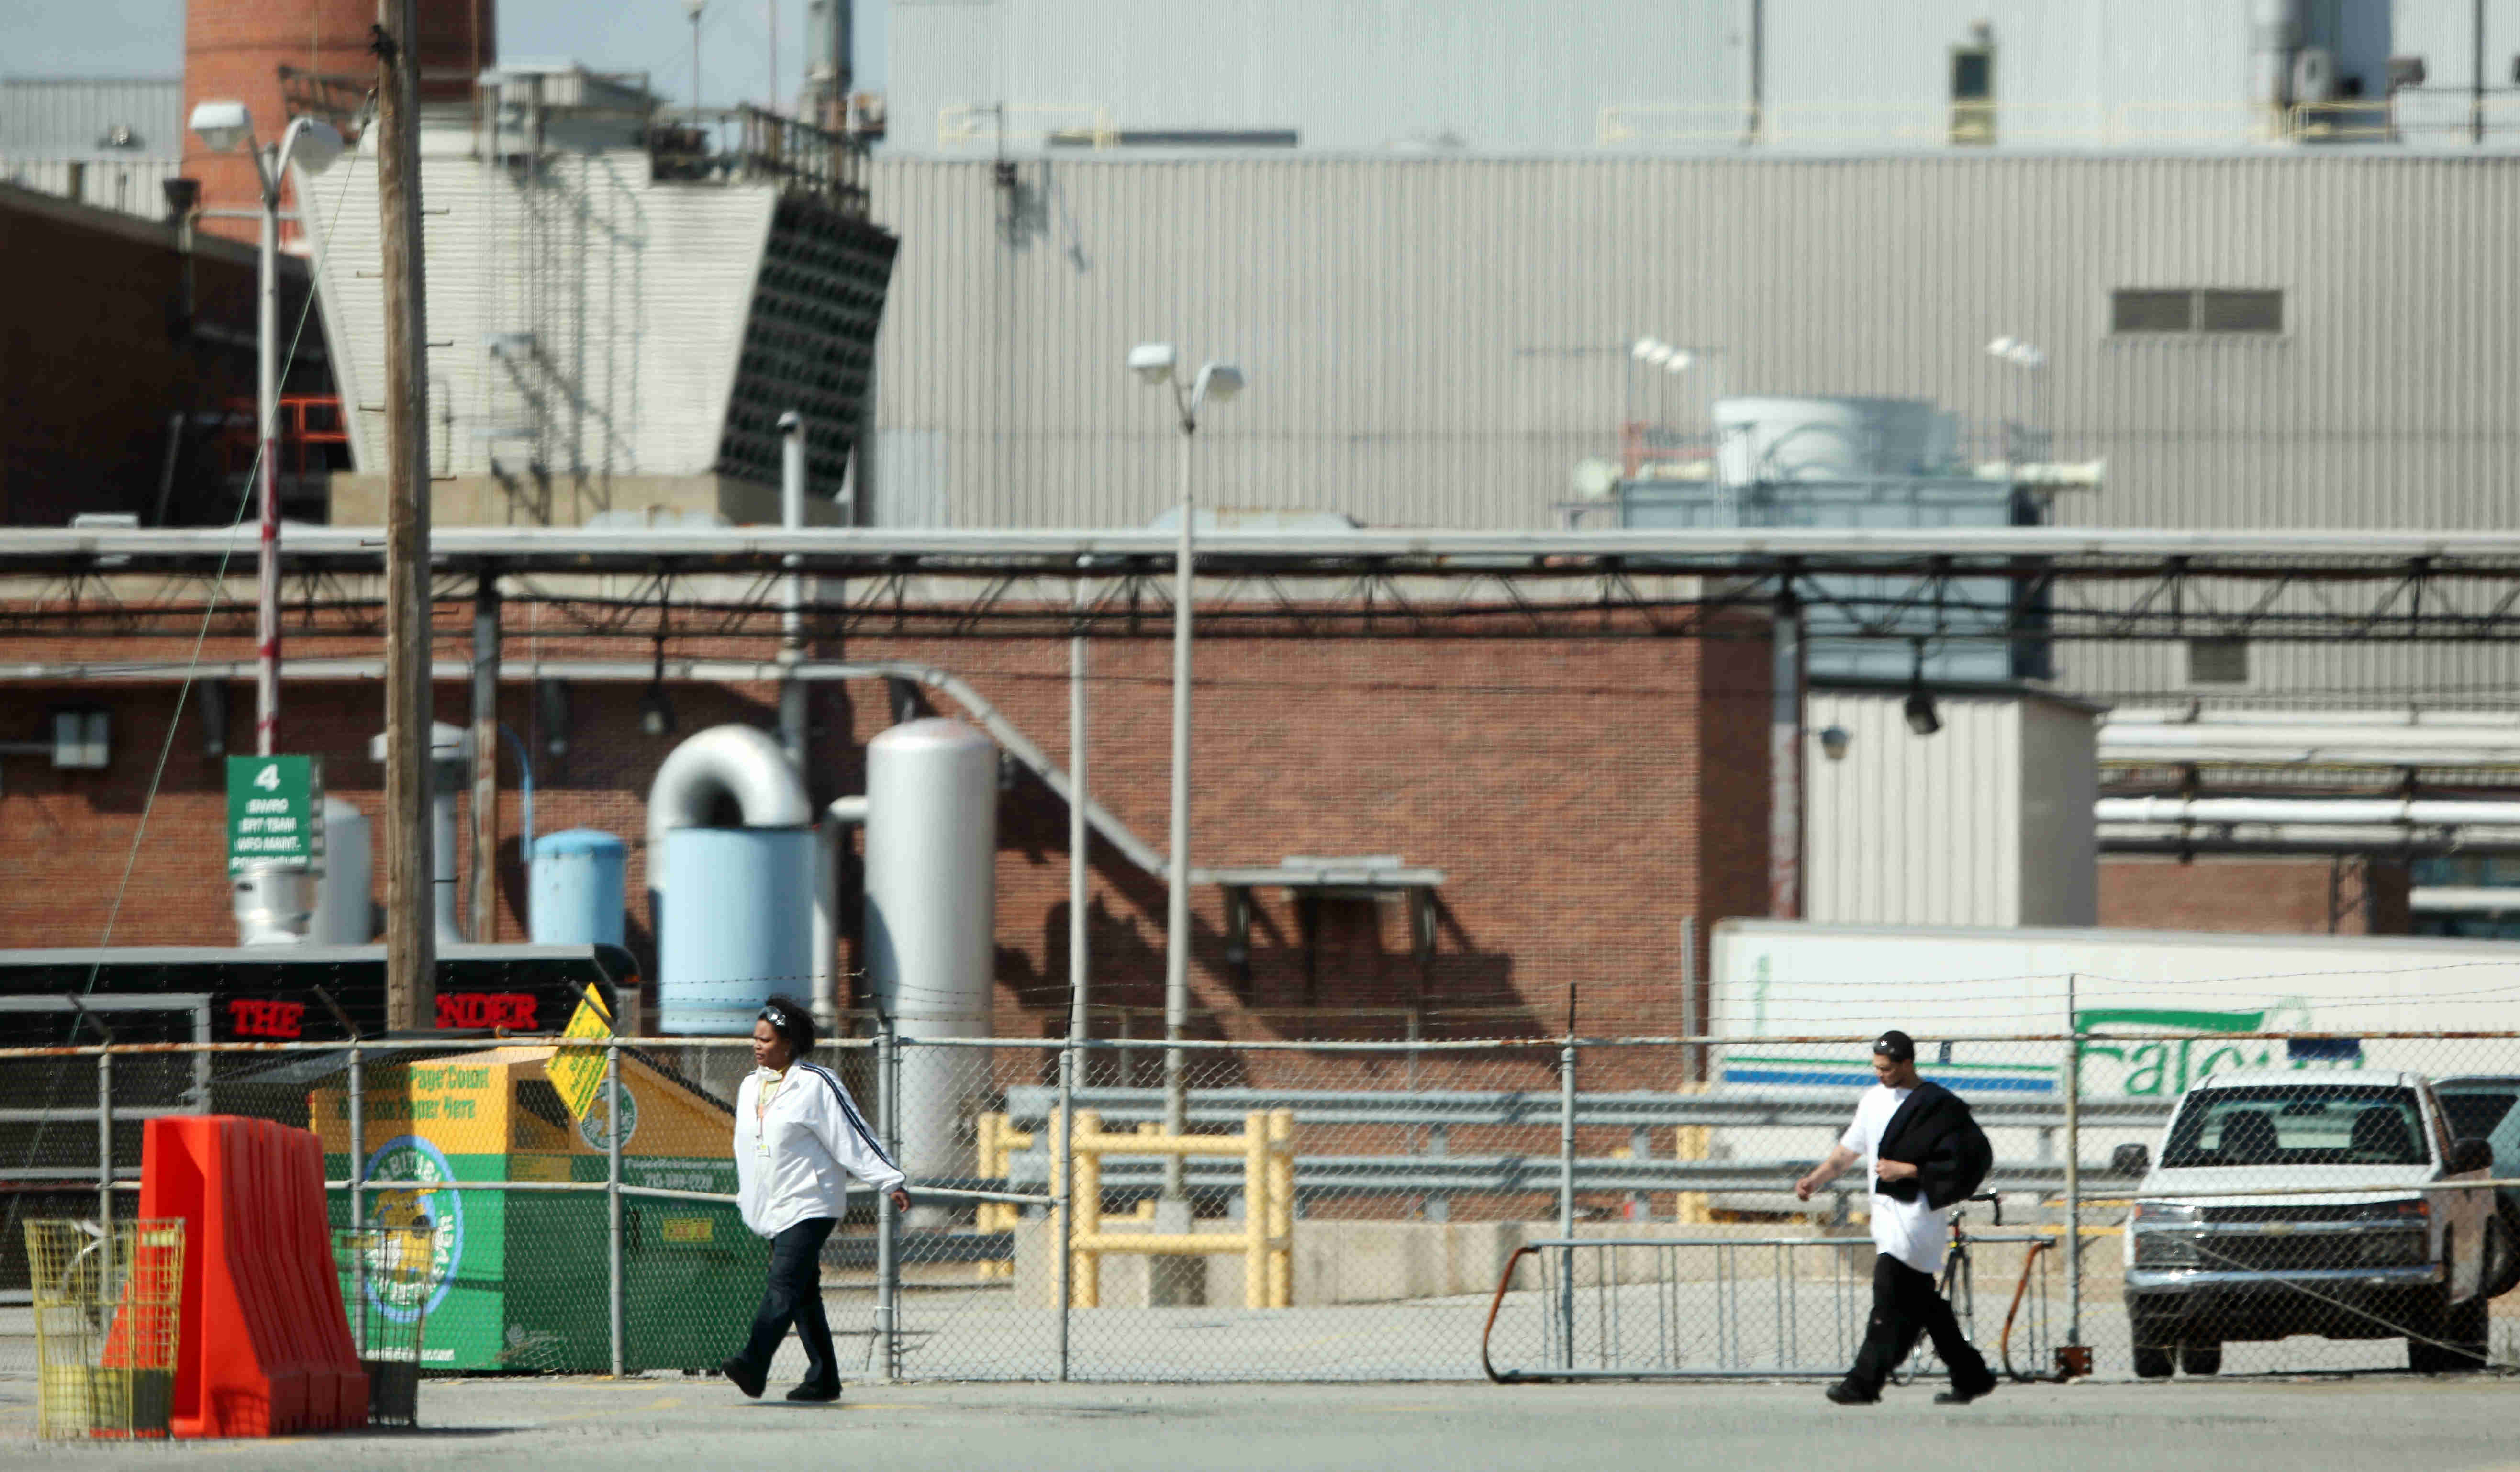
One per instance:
(234, 49)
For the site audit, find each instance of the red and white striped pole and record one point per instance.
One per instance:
(266, 689)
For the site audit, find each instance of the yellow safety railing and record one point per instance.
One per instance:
(998, 1144)
(1267, 1150)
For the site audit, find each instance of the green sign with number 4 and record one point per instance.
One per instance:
(276, 812)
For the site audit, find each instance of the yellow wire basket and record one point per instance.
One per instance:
(109, 1304)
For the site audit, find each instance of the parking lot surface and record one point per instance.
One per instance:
(685, 1425)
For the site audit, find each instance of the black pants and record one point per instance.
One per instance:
(1906, 1307)
(795, 1295)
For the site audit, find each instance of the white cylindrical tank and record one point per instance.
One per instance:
(344, 908)
(1783, 438)
(931, 842)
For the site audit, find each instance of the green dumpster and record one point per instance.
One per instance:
(519, 1277)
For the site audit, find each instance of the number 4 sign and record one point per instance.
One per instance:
(276, 812)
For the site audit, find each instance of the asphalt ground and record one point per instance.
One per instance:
(699, 1425)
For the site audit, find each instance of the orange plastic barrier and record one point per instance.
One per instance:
(264, 1347)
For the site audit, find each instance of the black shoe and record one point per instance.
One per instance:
(746, 1379)
(1958, 1397)
(1844, 1394)
(812, 1392)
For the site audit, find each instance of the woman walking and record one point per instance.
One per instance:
(796, 1132)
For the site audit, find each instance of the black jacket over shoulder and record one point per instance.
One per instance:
(1935, 1132)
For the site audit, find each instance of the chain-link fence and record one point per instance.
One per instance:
(2242, 1201)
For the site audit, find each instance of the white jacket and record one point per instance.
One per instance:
(793, 1161)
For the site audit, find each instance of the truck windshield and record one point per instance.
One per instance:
(2298, 1124)
(2473, 1116)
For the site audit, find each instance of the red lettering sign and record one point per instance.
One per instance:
(260, 1017)
(512, 1011)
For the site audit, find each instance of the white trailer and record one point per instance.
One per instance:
(2156, 1010)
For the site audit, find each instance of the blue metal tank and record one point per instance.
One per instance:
(736, 926)
(579, 889)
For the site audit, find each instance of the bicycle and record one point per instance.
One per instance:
(1958, 1285)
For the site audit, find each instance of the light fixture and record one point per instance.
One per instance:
(2016, 352)
(1923, 718)
(1153, 362)
(1662, 354)
(1643, 348)
(550, 702)
(1682, 360)
(656, 711)
(315, 146)
(1217, 381)
(222, 125)
(1833, 741)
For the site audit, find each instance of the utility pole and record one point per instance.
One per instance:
(411, 951)
(485, 758)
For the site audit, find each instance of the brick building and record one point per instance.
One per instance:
(1583, 796)
(127, 350)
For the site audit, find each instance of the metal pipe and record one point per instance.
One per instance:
(1567, 1202)
(612, 1195)
(358, 1106)
(1177, 898)
(2419, 812)
(1785, 759)
(572, 549)
(793, 727)
(104, 1141)
(826, 999)
(887, 1257)
(2073, 1167)
(1079, 879)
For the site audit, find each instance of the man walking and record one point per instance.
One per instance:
(1926, 1152)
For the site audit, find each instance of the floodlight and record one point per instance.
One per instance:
(1643, 348)
(1682, 361)
(1218, 382)
(2002, 347)
(1153, 361)
(222, 125)
(1923, 718)
(1833, 741)
(313, 145)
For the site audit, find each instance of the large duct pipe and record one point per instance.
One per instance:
(2383, 811)
(732, 930)
(735, 764)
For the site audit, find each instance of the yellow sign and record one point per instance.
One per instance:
(578, 1072)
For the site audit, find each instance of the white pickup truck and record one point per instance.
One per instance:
(2361, 1232)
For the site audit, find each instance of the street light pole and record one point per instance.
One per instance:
(223, 125)
(1176, 906)
(1153, 362)
(267, 166)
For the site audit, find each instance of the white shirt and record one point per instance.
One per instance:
(1909, 1230)
(793, 1157)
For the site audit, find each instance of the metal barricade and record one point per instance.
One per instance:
(1754, 1308)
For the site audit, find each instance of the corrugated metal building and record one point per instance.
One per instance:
(1439, 342)
(1523, 76)
(106, 141)
(1986, 822)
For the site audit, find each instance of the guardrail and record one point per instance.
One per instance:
(1031, 1104)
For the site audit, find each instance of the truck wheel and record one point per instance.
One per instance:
(2450, 1339)
(2467, 1335)
(2502, 1255)
(2201, 1358)
(2151, 1362)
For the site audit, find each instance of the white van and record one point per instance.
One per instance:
(2362, 1233)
